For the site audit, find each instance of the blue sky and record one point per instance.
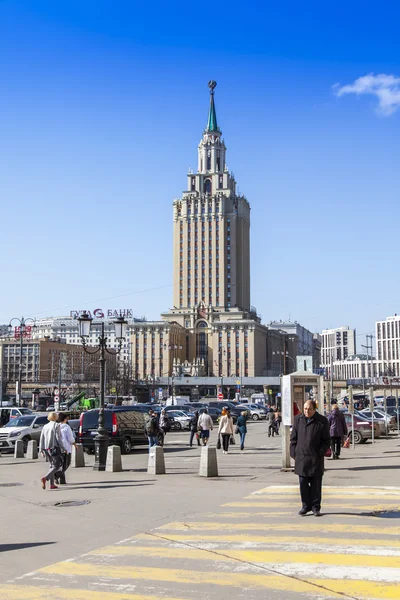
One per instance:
(102, 107)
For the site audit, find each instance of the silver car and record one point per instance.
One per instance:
(390, 421)
(366, 413)
(25, 428)
(255, 411)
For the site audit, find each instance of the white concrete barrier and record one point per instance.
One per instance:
(77, 456)
(32, 451)
(208, 462)
(19, 449)
(114, 463)
(156, 464)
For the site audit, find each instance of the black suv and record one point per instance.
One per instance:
(125, 426)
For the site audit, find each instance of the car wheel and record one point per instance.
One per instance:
(357, 437)
(255, 417)
(25, 441)
(126, 446)
(178, 425)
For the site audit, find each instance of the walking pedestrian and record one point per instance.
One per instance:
(205, 424)
(151, 426)
(309, 440)
(337, 430)
(271, 422)
(68, 440)
(51, 446)
(278, 421)
(225, 430)
(164, 422)
(194, 428)
(241, 427)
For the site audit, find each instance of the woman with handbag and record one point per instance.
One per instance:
(225, 430)
(51, 447)
(241, 427)
(337, 430)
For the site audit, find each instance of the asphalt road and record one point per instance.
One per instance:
(242, 527)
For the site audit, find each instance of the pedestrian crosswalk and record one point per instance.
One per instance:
(255, 548)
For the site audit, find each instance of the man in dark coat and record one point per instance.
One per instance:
(309, 441)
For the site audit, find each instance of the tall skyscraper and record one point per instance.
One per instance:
(211, 230)
(211, 329)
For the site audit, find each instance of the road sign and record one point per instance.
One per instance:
(220, 396)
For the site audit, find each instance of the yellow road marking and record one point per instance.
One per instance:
(276, 539)
(252, 556)
(293, 514)
(293, 489)
(155, 574)
(328, 504)
(360, 588)
(325, 494)
(321, 526)
(30, 592)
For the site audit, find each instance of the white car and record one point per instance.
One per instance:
(256, 411)
(180, 418)
(391, 422)
(25, 428)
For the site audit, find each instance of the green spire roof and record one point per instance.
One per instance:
(212, 115)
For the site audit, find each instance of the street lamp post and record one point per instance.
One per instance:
(22, 329)
(85, 320)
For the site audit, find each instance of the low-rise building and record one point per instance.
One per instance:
(388, 346)
(47, 361)
(337, 345)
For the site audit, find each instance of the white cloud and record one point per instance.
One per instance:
(385, 87)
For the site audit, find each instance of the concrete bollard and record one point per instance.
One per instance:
(19, 449)
(32, 451)
(156, 464)
(113, 463)
(208, 462)
(77, 457)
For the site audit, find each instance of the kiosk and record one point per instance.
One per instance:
(294, 393)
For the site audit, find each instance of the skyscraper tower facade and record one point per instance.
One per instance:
(211, 231)
(211, 330)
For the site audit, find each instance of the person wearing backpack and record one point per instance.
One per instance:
(151, 429)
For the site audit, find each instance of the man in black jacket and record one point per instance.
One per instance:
(309, 441)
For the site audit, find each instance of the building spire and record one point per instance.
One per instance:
(212, 125)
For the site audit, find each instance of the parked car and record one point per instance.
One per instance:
(74, 424)
(179, 419)
(7, 413)
(390, 422)
(25, 428)
(125, 426)
(234, 410)
(362, 428)
(255, 411)
(193, 406)
(184, 408)
(214, 413)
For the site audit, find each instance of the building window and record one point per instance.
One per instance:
(207, 186)
(193, 183)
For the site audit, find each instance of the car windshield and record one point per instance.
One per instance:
(20, 422)
(25, 411)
